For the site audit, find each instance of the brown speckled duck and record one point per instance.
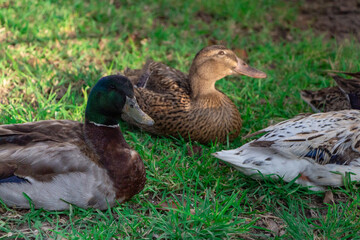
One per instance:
(57, 162)
(190, 105)
(346, 95)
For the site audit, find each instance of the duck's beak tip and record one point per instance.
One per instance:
(244, 69)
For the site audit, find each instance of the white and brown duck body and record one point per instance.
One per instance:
(57, 162)
(317, 150)
(189, 105)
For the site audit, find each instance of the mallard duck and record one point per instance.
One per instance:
(319, 149)
(57, 162)
(346, 95)
(190, 105)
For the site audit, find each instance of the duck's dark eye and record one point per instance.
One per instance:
(112, 86)
(221, 53)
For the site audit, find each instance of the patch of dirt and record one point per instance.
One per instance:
(205, 17)
(6, 85)
(5, 34)
(334, 18)
(281, 33)
(194, 151)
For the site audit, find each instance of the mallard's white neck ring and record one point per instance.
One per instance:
(103, 125)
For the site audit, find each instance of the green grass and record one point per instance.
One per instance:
(52, 53)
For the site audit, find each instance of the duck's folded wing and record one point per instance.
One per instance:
(56, 130)
(327, 99)
(332, 137)
(350, 87)
(159, 77)
(40, 150)
(347, 85)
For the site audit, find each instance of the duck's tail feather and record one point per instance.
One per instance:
(252, 160)
(350, 87)
(355, 74)
(144, 77)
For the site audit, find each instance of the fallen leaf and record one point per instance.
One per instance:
(166, 206)
(273, 226)
(313, 213)
(328, 198)
(205, 17)
(260, 199)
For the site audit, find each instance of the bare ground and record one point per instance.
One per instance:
(334, 18)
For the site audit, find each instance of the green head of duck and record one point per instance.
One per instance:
(111, 97)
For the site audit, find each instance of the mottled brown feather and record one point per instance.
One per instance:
(326, 100)
(53, 133)
(344, 96)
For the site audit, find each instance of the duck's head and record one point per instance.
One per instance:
(216, 62)
(110, 98)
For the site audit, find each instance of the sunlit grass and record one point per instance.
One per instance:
(53, 52)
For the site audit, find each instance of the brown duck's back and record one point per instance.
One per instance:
(326, 100)
(166, 99)
(162, 78)
(344, 96)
